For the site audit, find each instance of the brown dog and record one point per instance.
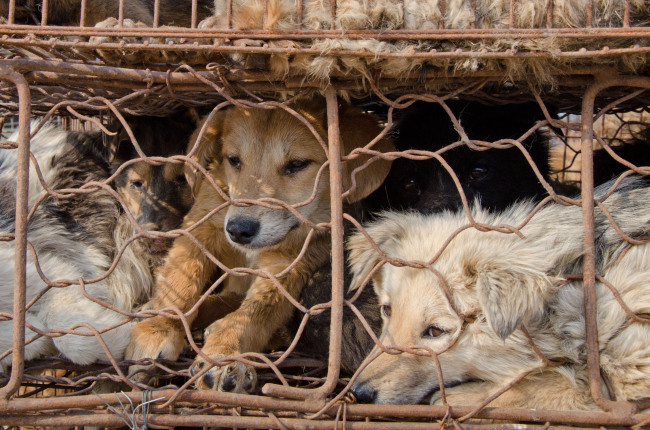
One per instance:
(264, 154)
(68, 12)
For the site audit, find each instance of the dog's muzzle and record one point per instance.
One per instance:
(364, 393)
(242, 230)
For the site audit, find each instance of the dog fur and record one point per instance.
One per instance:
(78, 237)
(497, 284)
(351, 15)
(425, 186)
(254, 153)
(68, 12)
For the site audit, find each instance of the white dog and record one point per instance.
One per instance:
(499, 283)
(79, 237)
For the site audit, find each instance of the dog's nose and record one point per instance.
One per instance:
(242, 230)
(364, 393)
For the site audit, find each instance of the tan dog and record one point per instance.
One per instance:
(264, 154)
(498, 283)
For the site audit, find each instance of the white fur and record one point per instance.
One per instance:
(61, 257)
(500, 281)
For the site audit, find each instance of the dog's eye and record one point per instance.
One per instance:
(137, 185)
(386, 310)
(433, 331)
(478, 172)
(235, 162)
(294, 166)
(180, 180)
(410, 185)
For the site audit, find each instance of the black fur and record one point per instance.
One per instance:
(636, 152)
(504, 176)
(166, 200)
(496, 177)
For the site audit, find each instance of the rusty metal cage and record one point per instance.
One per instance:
(84, 66)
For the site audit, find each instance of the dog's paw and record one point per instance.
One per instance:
(234, 377)
(469, 393)
(119, 55)
(156, 337)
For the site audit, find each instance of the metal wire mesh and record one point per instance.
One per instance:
(68, 75)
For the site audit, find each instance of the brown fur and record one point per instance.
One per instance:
(265, 142)
(68, 12)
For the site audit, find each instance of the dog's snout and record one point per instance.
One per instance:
(364, 393)
(242, 230)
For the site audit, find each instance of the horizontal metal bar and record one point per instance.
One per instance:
(443, 34)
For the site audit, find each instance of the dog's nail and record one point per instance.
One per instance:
(159, 356)
(229, 383)
(208, 380)
(196, 368)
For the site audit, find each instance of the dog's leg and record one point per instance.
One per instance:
(37, 348)
(179, 284)
(545, 390)
(251, 327)
(216, 307)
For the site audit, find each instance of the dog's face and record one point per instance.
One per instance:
(493, 288)
(270, 156)
(157, 196)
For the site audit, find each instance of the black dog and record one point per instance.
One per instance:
(494, 177)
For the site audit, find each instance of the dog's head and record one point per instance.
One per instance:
(275, 155)
(158, 196)
(495, 282)
(495, 177)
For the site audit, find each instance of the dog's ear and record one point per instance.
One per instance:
(363, 257)
(204, 146)
(511, 290)
(358, 128)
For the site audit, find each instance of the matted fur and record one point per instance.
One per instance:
(66, 254)
(68, 12)
(501, 282)
(422, 15)
(250, 153)
(79, 236)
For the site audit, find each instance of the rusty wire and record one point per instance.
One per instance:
(320, 398)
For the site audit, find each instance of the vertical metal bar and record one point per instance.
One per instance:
(473, 8)
(120, 14)
(229, 14)
(82, 14)
(156, 13)
(20, 240)
(549, 14)
(12, 12)
(338, 259)
(590, 12)
(626, 14)
(336, 325)
(194, 13)
(443, 10)
(44, 10)
(265, 14)
(333, 14)
(511, 15)
(589, 262)
(300, 12)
